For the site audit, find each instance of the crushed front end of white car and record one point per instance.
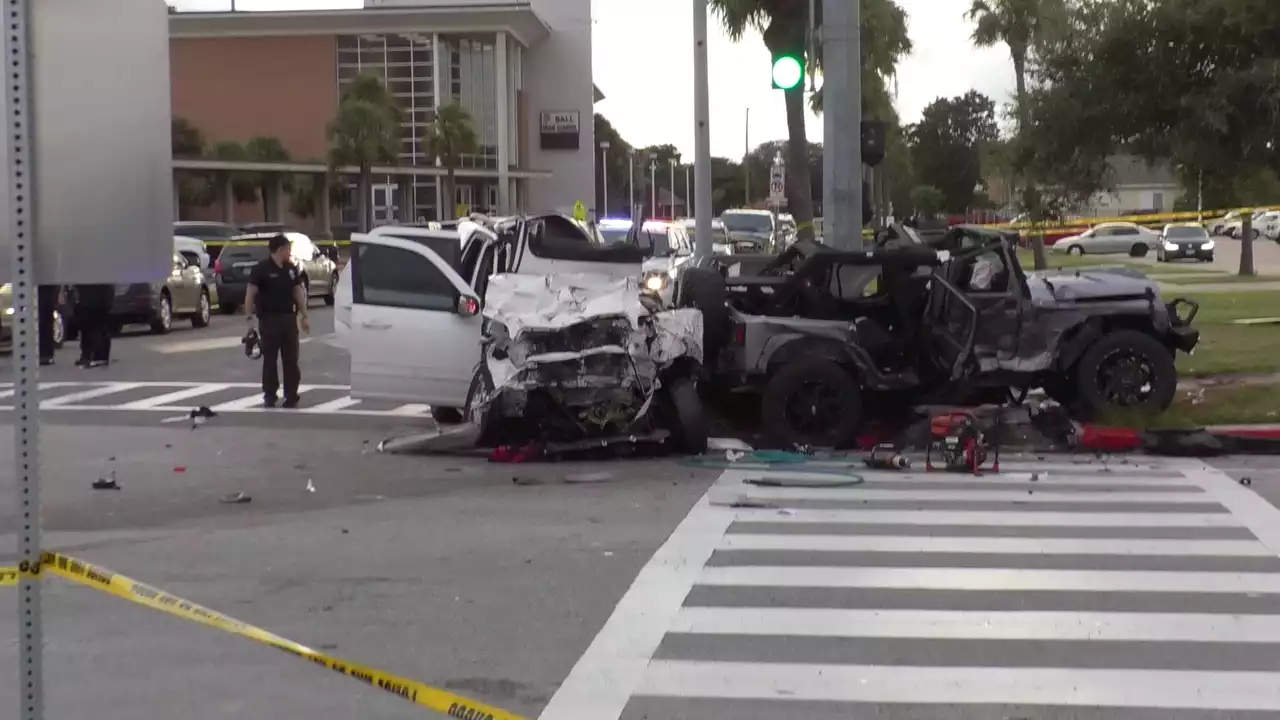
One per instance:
(580, 359)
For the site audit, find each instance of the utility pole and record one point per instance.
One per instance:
(746, 161)
(631, 182)
(604, 178)
(701, 135)
(842, 112)
(653, 187)
(674, 161)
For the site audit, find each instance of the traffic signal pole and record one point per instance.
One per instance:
(701, 135)
(842, 119)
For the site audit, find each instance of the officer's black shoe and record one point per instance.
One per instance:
(46, 361)
(269, 401)
(289, 403)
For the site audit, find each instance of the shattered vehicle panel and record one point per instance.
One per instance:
(579, 356)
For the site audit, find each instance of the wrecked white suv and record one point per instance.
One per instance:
(409, 312)
(580, 359)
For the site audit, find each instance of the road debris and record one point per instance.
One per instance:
(236, 499)
(106, 483)
(310, 486)
(592, 477)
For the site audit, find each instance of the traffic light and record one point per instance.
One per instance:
(788, 72)
(872, 142)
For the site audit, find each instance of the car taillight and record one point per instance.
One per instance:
(468, 306)
(739, 335)
(217, 266)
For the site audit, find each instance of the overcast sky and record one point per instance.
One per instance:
(644, 59)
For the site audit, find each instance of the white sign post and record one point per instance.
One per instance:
(777, 194)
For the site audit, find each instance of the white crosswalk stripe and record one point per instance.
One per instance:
(1143, 591)
(233, 398)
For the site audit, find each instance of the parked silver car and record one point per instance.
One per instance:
(1111, 238)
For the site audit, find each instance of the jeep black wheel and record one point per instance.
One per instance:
(1125, 369)
(813, 402)
(703, 289)
(688, 419)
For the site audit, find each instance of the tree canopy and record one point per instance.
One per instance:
(1196, 82)
(948, 143)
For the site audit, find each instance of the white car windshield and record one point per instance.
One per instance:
(747, 222)
(1186, 232)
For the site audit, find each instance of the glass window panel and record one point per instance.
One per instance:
(372, 56)
(401, 72)
(397, 41)
(347, 72)
(399, 56)
(348, 41)
(399, 86)
(422, 87)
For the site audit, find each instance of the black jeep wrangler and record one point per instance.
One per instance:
(829, 338)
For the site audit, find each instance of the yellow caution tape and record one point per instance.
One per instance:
(1085, 223)
(441, 701)
(8, 576)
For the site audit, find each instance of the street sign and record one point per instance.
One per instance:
(777, 192)
(777, 182)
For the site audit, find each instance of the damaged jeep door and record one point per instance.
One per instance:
(950, 328)
(986, 275)
(415, 324)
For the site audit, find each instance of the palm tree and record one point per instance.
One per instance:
(1019, 24)
(784, 25)
(266, 149)
(194, 189)
(364, 132)
(450, 136)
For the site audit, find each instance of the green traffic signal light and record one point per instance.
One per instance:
(788, 72)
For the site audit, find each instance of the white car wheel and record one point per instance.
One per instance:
(1075, 250)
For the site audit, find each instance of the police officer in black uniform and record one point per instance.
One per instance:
(277, 299)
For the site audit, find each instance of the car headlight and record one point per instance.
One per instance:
(8, 311)
(1170, 246)
(655, 282)
(1207, 246)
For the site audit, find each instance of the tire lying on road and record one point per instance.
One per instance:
(811, 401)
(1125, 369)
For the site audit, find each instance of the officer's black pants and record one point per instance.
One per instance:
(278, 335)
(46, 304)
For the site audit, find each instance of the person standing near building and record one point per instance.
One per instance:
(277, 301)
(93, 318)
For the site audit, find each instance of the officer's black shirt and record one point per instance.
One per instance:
(275, 287)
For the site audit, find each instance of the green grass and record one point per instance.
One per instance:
(1228, 405)
(1227, 348)
(1213, 279)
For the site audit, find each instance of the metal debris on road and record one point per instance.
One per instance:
(236, 498)
(310, 486)
(106, 483)
(592, 477)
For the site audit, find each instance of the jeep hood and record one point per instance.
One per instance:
(1090, 285)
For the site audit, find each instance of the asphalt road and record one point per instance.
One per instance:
(440, 569)
(615, 588)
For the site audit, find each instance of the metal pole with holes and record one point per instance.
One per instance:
(674, 161)
(26, 389)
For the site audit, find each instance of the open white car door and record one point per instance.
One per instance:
(413, 329)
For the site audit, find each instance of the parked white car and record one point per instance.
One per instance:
(194, 250)
(1233, 228)
(1111, 238)
(1267, 225)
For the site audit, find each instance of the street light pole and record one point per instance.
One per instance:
(841, 111)
(674, 161)
(604, 178)
(631, 181)
(653, 188)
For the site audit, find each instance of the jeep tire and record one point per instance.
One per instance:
(808, 379)
(1113, 366)
(703, 289)
(688, 418)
